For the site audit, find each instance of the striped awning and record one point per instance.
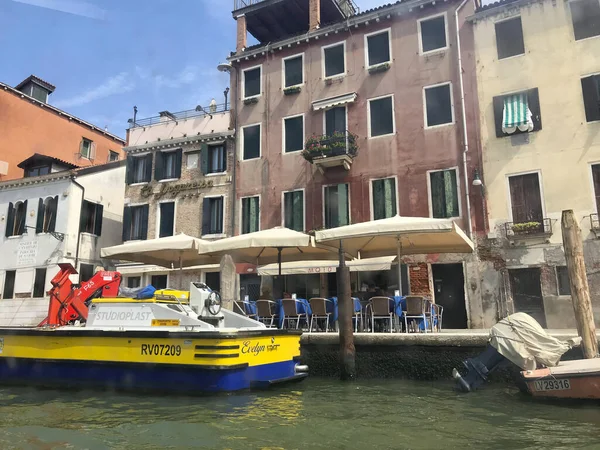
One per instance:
(516, 114)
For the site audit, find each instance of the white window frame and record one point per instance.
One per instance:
(349, 201)
(241, 150)
(169, 150)
(372, 211)
(242, 211)
(540, 181)
(159, 214)
(426, 126)
(147, 278)
(216, 144)
(223, 234)
(283, 60)
(131, 275)
(141, 183)
(419, 34)
(133, 205)
(573, 25)
(283, 119)
(369, 116)
(506, 19)
(303, 207)
(345, 106)
(90, 148)
(339, 75)
(375, 33)
(458, 193)
(260, 81)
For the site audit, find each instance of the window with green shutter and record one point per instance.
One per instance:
(444, 194)
(250, 214)
(336, 206)
(384, 198)
(293, 210)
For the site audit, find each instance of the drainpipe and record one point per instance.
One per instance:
(80, 209)
(233, 108)
(464, 118)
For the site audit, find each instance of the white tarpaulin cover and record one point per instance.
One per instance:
(523, 341)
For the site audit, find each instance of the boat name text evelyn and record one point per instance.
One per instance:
(161, 350)
(123, 315)
(174, 189)
(255, 348)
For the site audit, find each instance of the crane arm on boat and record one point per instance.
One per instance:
(67, 303)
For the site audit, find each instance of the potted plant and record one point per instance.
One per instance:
(527, 228)
(379, 67)
(251, 100)
(292, 90)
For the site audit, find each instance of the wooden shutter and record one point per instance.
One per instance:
(148, 174)
(92, 154)
(178, 158)
(21, 229)
(144, 228)
(298, 211)
(533, 99)
(437, 194)
(159, 166)
(245, 215)
(129, 170)
(378, 200)
(10, 220)
(204, 159)
(127, 223)
(591, 100)
(98, 220)
(517, 199)
(53, 212)
(498, 111)
(83, 217)
(533, 198)
(206, 216)
(39, 225)
(288, 210)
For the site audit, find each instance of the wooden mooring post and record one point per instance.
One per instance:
(580, 292)
(345, 312)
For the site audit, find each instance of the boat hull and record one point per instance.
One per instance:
(578, 379)
(187, 362)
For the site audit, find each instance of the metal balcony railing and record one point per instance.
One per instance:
(533, 228)
(199, 111)
(594, 222)
(327, 146)
(348, 6)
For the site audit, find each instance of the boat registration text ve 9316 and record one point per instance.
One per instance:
(552, 385)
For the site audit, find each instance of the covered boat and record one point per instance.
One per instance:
(173, 341)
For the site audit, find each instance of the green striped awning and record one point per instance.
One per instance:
(516, 113)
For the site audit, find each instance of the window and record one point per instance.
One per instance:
(293, 71)
(378, 48)
(87, 149)
(217, 161)
(39, 93)
(212, 215)
(39, 283)
(509, 38)
(591, 97)
(37, 171)
(596, 179)
(192, 160)
(337, 211)
(517, 113)
(167, 165)
(562, 278)
(91, 218)
(381, 116)
(334, 59)
(293, 134)
(213, 280)
(250, 214)
(86, 272)
(159, 281)
(46, 216)
(251, 141)
(134, 282)
(293, 210)
(135, 223)
(525, 198)
(167, 219)
(384, 198)
(15, 219)
(444, 194)
(139, 169)
(112, 156)
(335, 120)
(438, 105)
(586, 18)
(432, 33)
(252, 82)
(9, 284)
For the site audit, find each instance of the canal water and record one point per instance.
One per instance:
(315, 414)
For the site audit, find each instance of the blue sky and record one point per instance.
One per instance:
(105, 56)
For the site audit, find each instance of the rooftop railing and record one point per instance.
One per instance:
(167, 116)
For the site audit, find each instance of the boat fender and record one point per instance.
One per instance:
(301, 368)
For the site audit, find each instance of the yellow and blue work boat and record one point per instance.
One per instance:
(175, 341)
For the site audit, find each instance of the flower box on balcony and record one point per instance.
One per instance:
(379, 68)
(250, 101)
(292, 90)
(337, 149)
(529, 229)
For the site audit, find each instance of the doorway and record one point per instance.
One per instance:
(250, 286)
(449, 288)
(527, 293)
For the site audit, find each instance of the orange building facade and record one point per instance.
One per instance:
(29, 125)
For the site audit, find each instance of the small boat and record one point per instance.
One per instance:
(175, 341)
(519, 339)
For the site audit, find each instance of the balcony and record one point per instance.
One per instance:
(336, 150)
(166, 116)
(595, 223)
(533, 229)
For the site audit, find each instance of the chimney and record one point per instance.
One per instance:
(242, 42)
(314, 14)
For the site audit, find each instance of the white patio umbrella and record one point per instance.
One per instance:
(320, 266)
(400, 235)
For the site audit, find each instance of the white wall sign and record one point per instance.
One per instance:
(27, 253)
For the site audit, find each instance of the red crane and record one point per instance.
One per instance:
(67, 303)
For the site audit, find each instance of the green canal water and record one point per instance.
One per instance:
(314, 414)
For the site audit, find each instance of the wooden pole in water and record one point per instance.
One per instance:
(580, 292)
(345, 312)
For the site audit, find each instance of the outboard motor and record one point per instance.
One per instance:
(478, 369)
